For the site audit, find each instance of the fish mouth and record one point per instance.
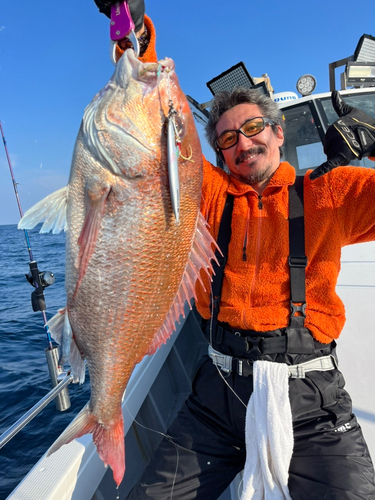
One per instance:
(148, 74)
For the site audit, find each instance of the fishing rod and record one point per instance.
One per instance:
(41, 280)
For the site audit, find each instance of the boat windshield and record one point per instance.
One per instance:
(365, 102)
(306, 124)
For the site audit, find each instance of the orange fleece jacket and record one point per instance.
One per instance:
(339, 211)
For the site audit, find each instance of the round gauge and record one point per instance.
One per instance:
(306, 84)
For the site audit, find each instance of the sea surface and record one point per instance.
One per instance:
(24, 377)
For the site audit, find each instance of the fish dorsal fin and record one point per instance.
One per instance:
(51, 210)
(201, 256)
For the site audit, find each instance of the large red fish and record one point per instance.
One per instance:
(132, 259)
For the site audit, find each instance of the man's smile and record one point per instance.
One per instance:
(250, 154)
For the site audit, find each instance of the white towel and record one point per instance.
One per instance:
(269, 434)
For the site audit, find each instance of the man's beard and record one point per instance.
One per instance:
(252, 178)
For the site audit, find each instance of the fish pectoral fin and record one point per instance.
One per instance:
(51, 210)
(96, 199)
(201, 256)
(61, 331)
(56, 325)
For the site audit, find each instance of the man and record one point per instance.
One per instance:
(255, 298)
(252, 320)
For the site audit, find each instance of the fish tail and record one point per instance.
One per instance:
(108, 439)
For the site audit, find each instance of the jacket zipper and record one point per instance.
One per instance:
(260, 206)
(257, 251)
(244, 256)
(260, 202)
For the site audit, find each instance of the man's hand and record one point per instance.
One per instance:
(137, 11)
(350, 137)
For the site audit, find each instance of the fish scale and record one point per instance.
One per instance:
(130, 263)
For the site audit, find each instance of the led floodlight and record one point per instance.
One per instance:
(236, 76)
(306, 85)
(355, 74)
(360, 74)
(365, 51)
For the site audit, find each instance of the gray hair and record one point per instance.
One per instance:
(226, 100)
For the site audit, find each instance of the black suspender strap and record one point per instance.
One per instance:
(297, 258)
(223, 239)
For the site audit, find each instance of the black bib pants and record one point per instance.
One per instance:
(206, 448)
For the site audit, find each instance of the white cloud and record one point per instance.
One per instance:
(2, 28)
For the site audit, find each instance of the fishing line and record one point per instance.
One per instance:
(226, 382)
(172, 113)
(35, 277)
(170, 439)
(217, 368)
(167, 70)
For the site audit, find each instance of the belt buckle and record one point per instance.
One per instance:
(222, 361)
(242, 366)
(253, 346)
(299, 372)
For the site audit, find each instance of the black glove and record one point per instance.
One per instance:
(136, 7)
(350, 137)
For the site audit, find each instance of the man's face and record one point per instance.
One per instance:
(252, 160)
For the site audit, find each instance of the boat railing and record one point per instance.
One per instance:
(34, 411)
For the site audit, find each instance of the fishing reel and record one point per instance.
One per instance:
(39, 280)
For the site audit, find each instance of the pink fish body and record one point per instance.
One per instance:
(130, 266)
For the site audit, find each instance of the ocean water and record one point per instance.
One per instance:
(24, 377)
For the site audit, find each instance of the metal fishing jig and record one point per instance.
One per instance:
(173, 152)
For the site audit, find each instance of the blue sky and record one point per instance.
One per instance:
(54, 59)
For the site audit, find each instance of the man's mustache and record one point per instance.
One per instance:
(247, 154)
